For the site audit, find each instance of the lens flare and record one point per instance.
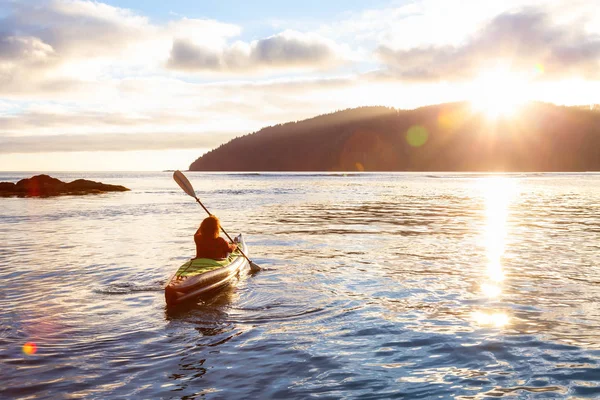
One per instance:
(29, 348)
(417, 135)
(539, 69)
(449, 120)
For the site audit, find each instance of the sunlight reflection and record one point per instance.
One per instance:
(497, 319)
(498, 192)
(494, 270)
(491, 290)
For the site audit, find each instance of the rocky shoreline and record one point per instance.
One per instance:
(47, 186)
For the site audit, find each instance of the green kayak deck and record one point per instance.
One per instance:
(199, 266)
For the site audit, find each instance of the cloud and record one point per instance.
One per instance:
(522, 39)
(76, 49)
(72, 46)
(205, 32)
(112, 142)
(51, 47)
(288, 49)
(33, 119)
(77, 28)
(27, 49)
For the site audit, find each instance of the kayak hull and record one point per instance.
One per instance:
(183, 288)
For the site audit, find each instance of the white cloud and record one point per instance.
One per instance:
(207, 33)
(158, 104)
(74, 49)
(78, 29)
(523, 40)
(112, 142)
(288, 49)
(26, 49)
(133, 160)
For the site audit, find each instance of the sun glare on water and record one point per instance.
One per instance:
(498, 194)
(498, 92)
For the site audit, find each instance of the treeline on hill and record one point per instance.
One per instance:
(446, 137)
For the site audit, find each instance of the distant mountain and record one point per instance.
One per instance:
(446, 137)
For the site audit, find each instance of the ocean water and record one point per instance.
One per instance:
(374, 286)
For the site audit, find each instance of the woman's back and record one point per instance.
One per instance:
(209, 247)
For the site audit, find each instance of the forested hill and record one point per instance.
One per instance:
(446, 137)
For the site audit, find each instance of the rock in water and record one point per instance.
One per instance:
(46, 186)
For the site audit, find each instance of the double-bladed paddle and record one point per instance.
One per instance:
(187, 187)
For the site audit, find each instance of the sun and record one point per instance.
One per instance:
(498, 92)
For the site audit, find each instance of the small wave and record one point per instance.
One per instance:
(245, 174)
(128, 287)
(297, 174)
(500, 391)
(235, 192)
(275, 313)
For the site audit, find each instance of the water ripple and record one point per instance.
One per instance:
(373, 286)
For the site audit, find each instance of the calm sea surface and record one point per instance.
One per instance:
(373, 286)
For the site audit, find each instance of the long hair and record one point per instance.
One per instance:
(209, 228)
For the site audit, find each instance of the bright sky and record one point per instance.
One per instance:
(152, 85)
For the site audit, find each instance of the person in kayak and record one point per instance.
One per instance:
(208, 242)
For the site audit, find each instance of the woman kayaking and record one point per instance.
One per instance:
(208, 242)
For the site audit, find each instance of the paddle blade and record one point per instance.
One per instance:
(254, 267)
(183, 183)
